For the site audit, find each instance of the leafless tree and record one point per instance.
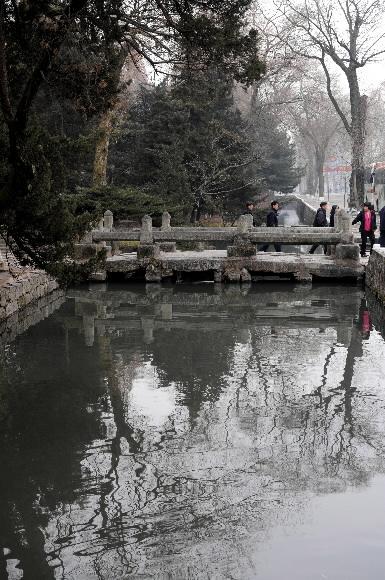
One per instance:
(375, 150)
(345, 34)
(311, 116)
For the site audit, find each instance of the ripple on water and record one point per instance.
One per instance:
(233, 434)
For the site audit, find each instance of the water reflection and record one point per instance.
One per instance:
(165, 432)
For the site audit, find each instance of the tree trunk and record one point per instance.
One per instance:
(99, 177)
(358, 105)
(320, 162)
(310, 174)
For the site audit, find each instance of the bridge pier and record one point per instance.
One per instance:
(303, 277)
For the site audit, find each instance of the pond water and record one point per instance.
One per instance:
(195, 432)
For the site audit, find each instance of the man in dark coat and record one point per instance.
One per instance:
(382, 227)
(368, 225)
(272, 222)
(320, 221)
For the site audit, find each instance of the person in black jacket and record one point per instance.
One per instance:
(320, 221)
(367, 219)
(333, 215)
(272, 222)
(382, 227)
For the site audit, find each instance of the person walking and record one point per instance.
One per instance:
(272, 222)
(250, 211)
(382, 227)
(367, 219)
(333, 215)
(320, 221)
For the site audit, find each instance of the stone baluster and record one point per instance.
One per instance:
(245, 224)
(337, 221)
(167, 246)
(108, 221)
(345, 224)
(102, 245)
(146, 236)
(242, 245)
(147, 248)
(347, 249)
(87, 247)
(166, 221)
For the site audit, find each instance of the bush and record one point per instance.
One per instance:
(124, 202)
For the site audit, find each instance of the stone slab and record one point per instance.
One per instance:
(264, 262)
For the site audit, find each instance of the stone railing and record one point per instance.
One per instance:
(241, 240)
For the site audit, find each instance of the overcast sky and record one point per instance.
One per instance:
(372, 74)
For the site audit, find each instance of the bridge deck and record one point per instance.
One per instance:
(299, 266)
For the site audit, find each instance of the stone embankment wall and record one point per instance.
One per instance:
(375, 273)
(19, 291)
(32, 314)
(305, 210)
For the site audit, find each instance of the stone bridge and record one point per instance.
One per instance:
(157, 258)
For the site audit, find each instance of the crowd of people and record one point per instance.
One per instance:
(367, 218)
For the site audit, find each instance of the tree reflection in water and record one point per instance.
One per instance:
(163, 432)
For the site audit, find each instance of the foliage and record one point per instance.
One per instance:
(185, 142)
(124, 202)
(58, 54)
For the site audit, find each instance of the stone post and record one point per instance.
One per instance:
(147, 248)
(166, 227)
(166, 221)
(337, 221)
(245, 224)
(242, 246)
(115, 248)
(146, 236)
(345, 225)
(347, 249)
(105, 225)
(108, 221)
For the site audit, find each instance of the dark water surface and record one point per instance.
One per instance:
(195, 432)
